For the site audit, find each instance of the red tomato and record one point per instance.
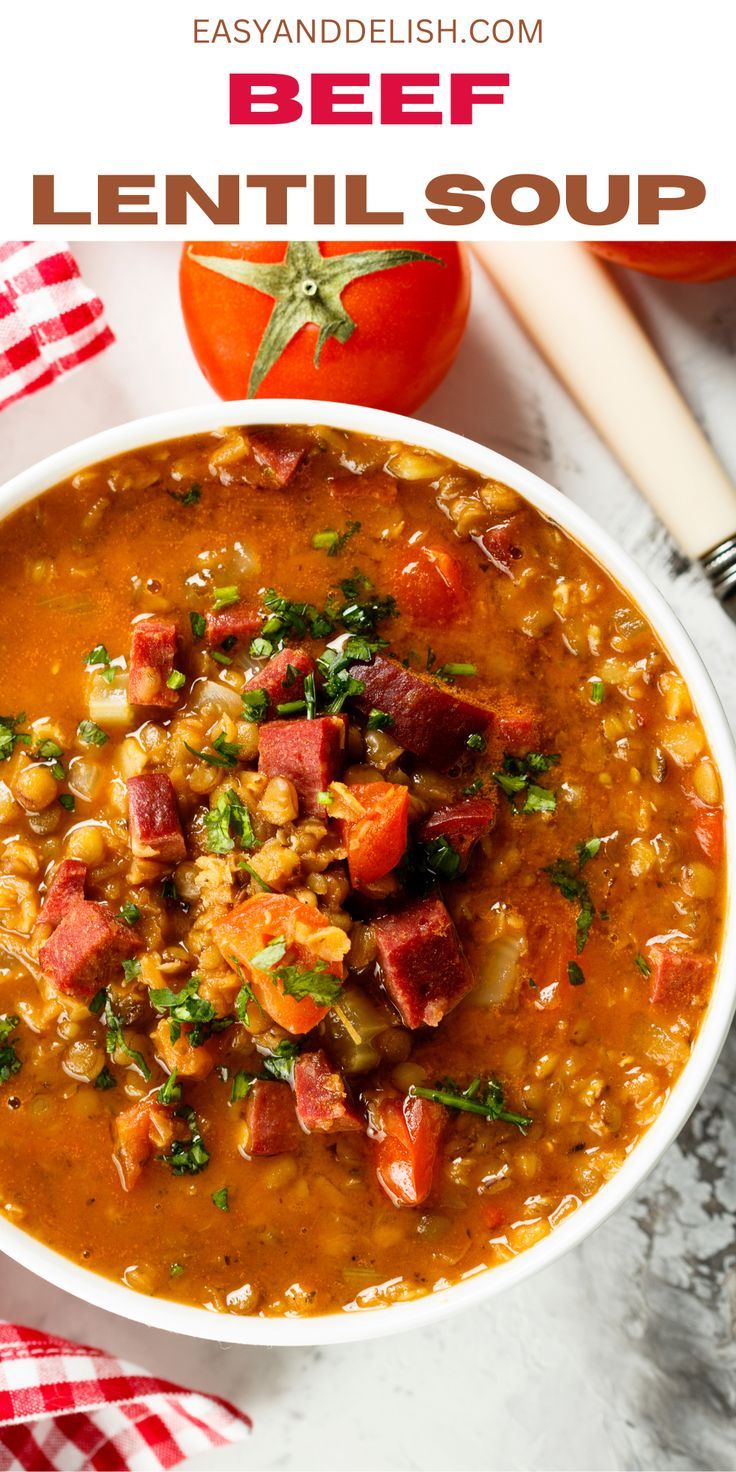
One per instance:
(409, 320)
(377, 842)
(709, 832)
(408, 1134)
(248, 930)
(675, 260)
(429, 584)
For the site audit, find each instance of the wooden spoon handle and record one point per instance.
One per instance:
(572, 308)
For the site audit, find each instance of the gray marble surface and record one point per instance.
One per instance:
(622, 1355)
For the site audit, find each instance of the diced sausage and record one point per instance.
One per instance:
(424, 970)
(145, 1129)
(155, 829)
(180, 1056)
(406, 1133)
(240, 623)
(461, 823)
(429, 720)
(270, 1125)
(322, 1101)
(309, 753)
(376, 487)
(65, 889)
(86, 949)
(283, 677)
(677, 978)
(281, 461)
(152, 658)
(500, 543)
(517, 727)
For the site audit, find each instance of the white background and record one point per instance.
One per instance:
(119, 86)
(623, 1355)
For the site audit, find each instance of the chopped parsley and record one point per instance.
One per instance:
(115, 1041)
(186, 1006)
(440, 859)
(575, 974)
(91, 734)
(99, 659)
(255, 705)
(131, 969)
(332, 542)
(478, 1098)
(224, 753)
(187, 1157)
(170, 1091)
(198, 625)
(227, 822)
(517, 776)
(129, 913)
(270, 955)
(379, 720)
(10, 1063)
(176, 680)
(643, 965)
(10, 735)
(476, 742)
(339, 685)
(362, 615)
(317, 982)
(241, 1084)
(98, 1001)
(574, 888)
(176, 1270)
(256, 877)
(224, 597)
(105, 1079)
(187, 498)
(50, 753)
(67, 801)
(220, 1199)
(473, 787)
(280, 1064)
(261, 648)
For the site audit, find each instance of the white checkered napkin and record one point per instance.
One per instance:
(50, 322)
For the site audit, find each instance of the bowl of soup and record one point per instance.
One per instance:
(364, 830)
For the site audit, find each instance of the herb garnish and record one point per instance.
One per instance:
(170, 1091)
(91, 734)
(516, 777)
(129, 913)
(105, 1079)
(440, 859)
(187, 1157)
(280, 1064)
(298, 982)
(310, 696)
(50, 753)
(115, 1041)
(256, 877)
(187, 498)
(187, 1006)
(226, 752)
(224, 597)
(10, 1063)
(10, 735)
(67, 801)
(220, 1199)
(379, 720)
(478, 1098)
(450, 672)
(597, 692)
(175, 680)
(476, 742)
(99, 659)
(255, 705)
(131, 969)
(573, 887)
(575, 974)
(241, 1084)
(332, 542)
(228, 820)
(643, 964)
(198, 624)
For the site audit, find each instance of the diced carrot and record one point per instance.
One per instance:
(377, 842)
(249, 929)
(139, 1131)
(180, 1056)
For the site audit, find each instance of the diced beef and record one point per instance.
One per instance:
(155, 829)
(281, 461)
(424, 970)
(461, 823)
(283, 677)
(309, 753)
(152, 658)
(86, 949)
(65, 889)
(677, 978)
(322, 1102)
(239, 623)
(270, 1123)
(501, 543)
(429, 720)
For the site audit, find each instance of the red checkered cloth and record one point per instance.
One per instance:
(64, 1407)
(50, 322)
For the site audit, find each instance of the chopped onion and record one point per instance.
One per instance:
(108, 703)
(496, 969)
(210, 692)
(85, 777)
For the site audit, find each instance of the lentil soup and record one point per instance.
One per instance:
(361, 871)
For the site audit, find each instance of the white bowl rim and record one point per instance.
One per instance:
(363, 1324)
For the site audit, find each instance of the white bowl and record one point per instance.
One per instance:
(371, 1323)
